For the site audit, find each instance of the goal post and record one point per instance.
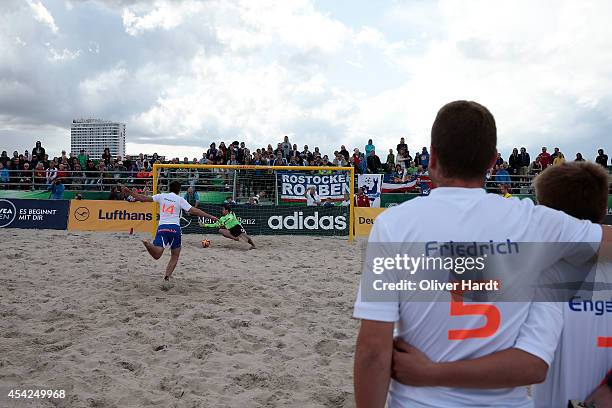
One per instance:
(283, 188)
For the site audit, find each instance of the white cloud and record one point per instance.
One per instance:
(160, 14)
(534, 65)
(275, 90)
(43, 15)
(197, 71)
(63, 55)
(93, 47)
(473, 50)
(103, 89)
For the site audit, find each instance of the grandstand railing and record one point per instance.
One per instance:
(229, 181)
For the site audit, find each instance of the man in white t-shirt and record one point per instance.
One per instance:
(583, 357)
(168, 233)
(312, 198)
(458, 210)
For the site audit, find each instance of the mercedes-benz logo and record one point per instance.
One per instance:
(81, 213)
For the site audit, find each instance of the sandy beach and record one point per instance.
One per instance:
(87, 313)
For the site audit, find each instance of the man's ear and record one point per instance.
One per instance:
(433, 159)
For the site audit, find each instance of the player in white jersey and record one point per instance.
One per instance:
(169, 229)
(584, 355)
(582, 361)
(463, 140)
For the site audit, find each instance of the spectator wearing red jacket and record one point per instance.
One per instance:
(356, 161)
(544, 158)
(362, 200)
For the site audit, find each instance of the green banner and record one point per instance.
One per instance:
(393, 199)
(44, 195)
(212, 197)
(217, 197)
(34, 195)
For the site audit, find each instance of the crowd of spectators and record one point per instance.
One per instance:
(516, 172)
(36, 170)
(77, 171)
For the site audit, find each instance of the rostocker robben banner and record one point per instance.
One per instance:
(293, 185)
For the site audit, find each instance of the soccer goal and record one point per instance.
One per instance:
(268, 200)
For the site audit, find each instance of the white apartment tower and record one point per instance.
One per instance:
(94, 135)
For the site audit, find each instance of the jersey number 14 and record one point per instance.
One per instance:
(169, 209)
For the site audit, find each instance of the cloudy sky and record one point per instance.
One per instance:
(182, 74)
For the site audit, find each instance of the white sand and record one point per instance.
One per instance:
(85, 312)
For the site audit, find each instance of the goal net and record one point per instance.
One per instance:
(268, 200)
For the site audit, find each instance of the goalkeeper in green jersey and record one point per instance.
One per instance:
(230, 227)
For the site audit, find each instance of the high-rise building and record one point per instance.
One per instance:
(94, 135)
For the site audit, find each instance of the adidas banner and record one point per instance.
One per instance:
(277, 220)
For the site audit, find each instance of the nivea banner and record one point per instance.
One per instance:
(293, 185)
(39, 214)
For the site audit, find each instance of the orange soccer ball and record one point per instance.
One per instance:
(205, 243)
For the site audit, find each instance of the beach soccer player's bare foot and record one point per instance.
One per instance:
(167, 284)
(250, 241)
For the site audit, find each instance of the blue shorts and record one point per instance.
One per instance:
(168, 235)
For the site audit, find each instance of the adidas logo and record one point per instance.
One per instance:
(297, 221)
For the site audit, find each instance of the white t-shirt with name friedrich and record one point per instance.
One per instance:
(170, 206)
(583, 357)
(468, 215)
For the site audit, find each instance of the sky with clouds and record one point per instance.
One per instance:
(184, 73)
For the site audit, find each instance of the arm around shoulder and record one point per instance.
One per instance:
(412, 367)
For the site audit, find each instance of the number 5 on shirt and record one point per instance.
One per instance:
(491, 314)
(604, 342)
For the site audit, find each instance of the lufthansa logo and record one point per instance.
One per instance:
(8, 212)
(81, 213)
